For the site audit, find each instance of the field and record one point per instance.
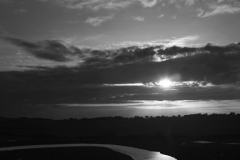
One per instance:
(194, 137)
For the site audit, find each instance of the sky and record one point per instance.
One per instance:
(96, 56)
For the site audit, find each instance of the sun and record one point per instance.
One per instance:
(165, 83)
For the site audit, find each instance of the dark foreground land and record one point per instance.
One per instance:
(193, 137)
(72, 153)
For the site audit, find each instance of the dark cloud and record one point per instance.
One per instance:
(175, 50)
(83, 83)
(122, 56)
(131, 54)
(49, 49)
(215, 64)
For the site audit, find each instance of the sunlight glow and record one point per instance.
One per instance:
(165, 83)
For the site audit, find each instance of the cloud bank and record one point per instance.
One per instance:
(192, 69)
(138, 64)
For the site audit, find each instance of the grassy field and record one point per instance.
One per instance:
(197, 137)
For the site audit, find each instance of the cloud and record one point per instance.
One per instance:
(190, 2)
(179, 3)
(193, 67)
(161, 16)
(60, 51)
(181, 41)
(208, 64)
(93, 4)
(148, 3)
(97, 21)
(52, 50)
(214, 64)
(218, 65)
(113, 5)
(200, 12)
(219, 9)
(96, 5)
(216, 6)
(139, 18)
